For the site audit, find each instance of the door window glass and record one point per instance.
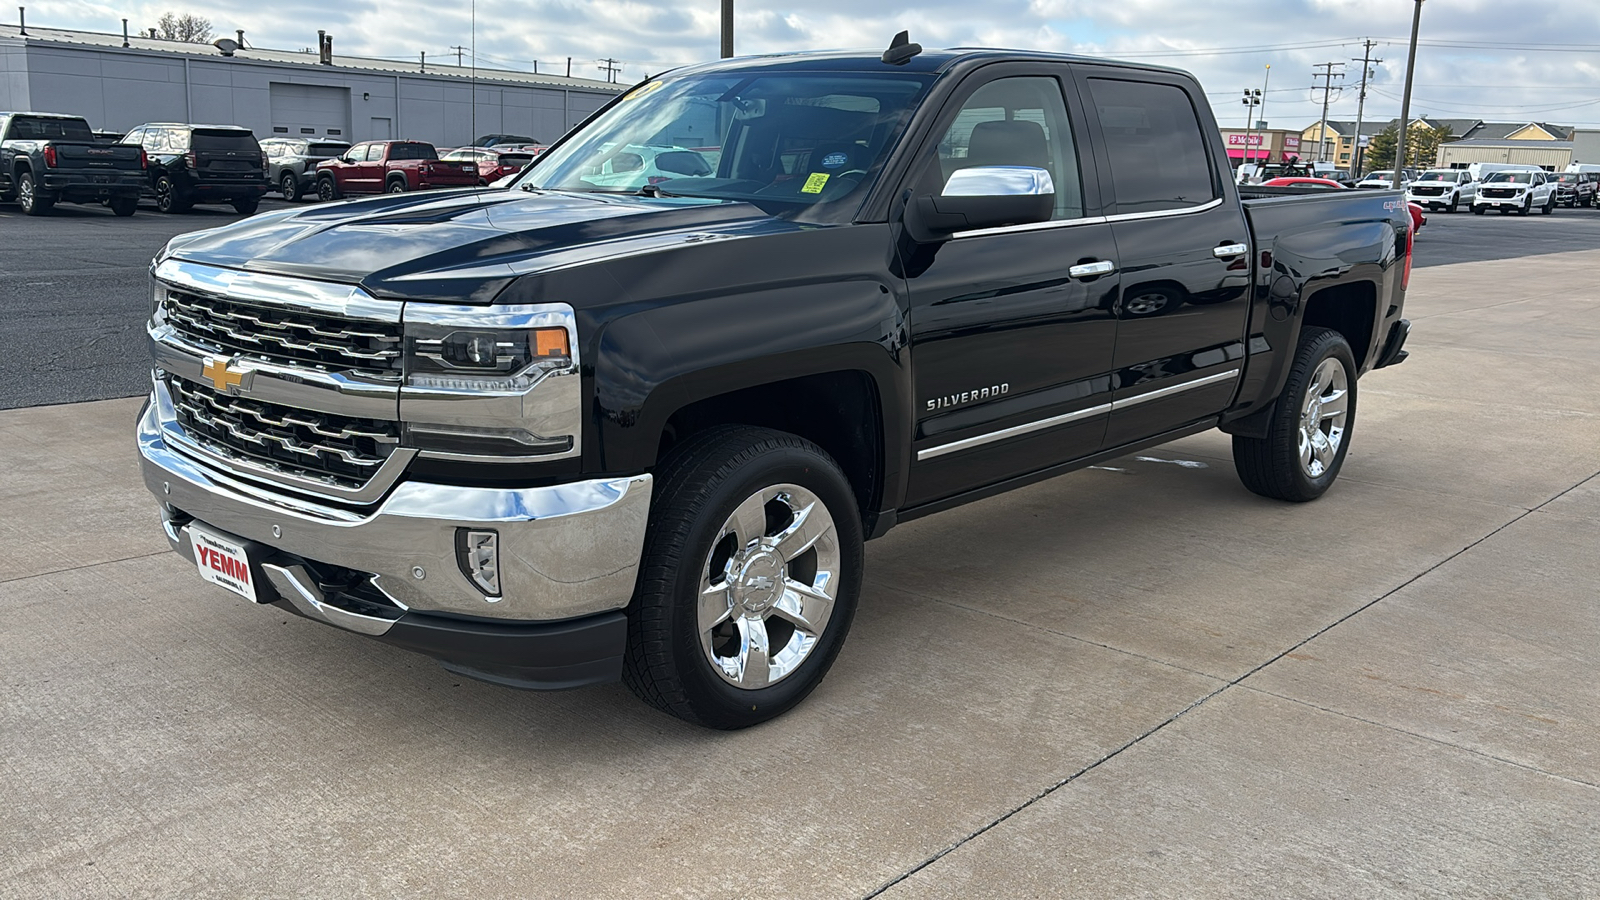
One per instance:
(1016, 122)
(1155, 145)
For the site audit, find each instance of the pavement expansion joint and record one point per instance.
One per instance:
(1051, 789)
(93, 565)
(1425, 737)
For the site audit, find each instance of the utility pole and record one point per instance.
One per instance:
(1327, 75)
(1405, 102)
(459, 51)
(610, 68)
(727, 28)
(1367, 62)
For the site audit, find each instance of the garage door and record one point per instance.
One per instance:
(310, 109)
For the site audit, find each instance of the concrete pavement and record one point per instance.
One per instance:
(1135, 681)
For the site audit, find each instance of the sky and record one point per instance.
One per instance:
(1534, 60)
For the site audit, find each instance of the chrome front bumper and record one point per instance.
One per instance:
(566, 550)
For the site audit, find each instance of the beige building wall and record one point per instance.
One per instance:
(1557, 158)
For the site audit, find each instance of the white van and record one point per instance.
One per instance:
(1584, 167)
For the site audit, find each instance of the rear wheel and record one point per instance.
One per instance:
(247, 206)
(168, 199)
(289, 187)
(1549, 205)
(1309, 432)
(33, 201)
(124, 206)
(749, 579)
(397, 186)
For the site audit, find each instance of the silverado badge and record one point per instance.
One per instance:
(224, 379)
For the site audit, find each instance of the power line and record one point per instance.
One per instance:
(610, 68)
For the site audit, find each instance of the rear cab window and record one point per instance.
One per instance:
(29, 128)
(1159, 156)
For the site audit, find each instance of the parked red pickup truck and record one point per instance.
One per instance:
(391, 167)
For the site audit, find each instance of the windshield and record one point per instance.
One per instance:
(783, 141)
(1379, 176)
(1510, 178)
(1438, 176)
(1565, 177)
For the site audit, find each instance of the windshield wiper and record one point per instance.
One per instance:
(654, 190)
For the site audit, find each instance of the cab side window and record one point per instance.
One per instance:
(1015, 122)
(1158, 153)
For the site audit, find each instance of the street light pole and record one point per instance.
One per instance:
(1266, 145)
(1405, 101)
(727, 28)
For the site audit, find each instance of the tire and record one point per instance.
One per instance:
(246, 206)
(289, 187)
(1478, 210)
(1455, 203)
(395, 186)
(124, 206)
(1549, 206)
(168, 198)
(1287, 464)
(1526, 207)
(710, 526)
(327, 190)
(33, 201)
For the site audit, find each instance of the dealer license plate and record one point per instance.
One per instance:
(223, 562)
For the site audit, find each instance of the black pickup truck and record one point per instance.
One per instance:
(46, 158)
(627, 419)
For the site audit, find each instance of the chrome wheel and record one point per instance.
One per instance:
(768, 587)
(1323, 416)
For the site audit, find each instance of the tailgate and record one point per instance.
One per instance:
(226, 154)
(125, 157)
(452, 171)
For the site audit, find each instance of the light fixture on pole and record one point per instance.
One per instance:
(1251, 100)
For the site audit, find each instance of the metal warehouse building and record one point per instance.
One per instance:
(117, 87)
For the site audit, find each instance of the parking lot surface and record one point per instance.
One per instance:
(1138, 680)
(72, 326)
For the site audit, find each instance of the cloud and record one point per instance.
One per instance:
(1489, 80)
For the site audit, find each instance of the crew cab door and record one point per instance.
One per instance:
(1183, 305)
(1012, 328)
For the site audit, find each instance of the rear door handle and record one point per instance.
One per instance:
(1091, 270)
(1228, 250)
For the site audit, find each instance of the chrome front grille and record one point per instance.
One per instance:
(334, 450)
(283, 334)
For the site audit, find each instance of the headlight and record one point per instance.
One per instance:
(491, 383)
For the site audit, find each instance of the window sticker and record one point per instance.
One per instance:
(815, 183)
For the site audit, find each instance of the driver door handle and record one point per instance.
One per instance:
(1227, 251)
(1092, 270)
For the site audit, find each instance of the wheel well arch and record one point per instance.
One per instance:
(395, 176)
(840, 411)
(1350, 309)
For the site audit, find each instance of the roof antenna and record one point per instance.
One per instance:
(901, 49)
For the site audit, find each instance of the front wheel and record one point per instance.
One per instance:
(327, 191)
(1309, 432)
(1455, 203)
(749, 579)
(1477, 210)
(1526, 207)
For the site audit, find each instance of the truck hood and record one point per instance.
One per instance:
(461, 246)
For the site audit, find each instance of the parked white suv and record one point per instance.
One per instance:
(1515, 191)
(1442, 189)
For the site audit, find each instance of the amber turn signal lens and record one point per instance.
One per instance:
(550, 342)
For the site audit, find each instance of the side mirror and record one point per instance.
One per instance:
(983, 197)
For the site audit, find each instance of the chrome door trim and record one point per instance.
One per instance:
(1017, 430)
(1165, 213)
(1168, 391)
(1089, 220)
(1011, 432)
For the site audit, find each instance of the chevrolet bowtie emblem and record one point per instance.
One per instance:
(224, 379)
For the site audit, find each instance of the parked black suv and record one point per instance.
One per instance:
(192, 164)
(292, 163)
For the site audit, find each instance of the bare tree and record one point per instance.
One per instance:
(187, 27)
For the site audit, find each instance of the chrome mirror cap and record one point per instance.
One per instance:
(999, 181)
